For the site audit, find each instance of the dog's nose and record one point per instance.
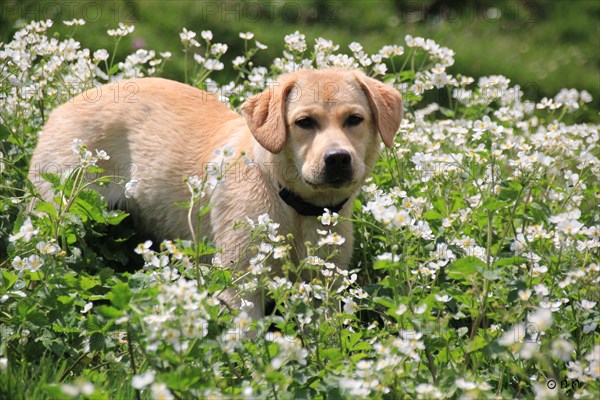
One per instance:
(337, 158)
(338, 166)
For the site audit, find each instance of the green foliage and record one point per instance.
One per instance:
(476, 257)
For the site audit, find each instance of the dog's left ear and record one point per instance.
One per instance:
(265, 116)
(386, 103)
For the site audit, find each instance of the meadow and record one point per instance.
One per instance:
(476, 264)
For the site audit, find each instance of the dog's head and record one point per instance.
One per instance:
(323, 127)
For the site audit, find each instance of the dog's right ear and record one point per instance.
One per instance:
(265, 116)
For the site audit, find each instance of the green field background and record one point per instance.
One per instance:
(543, 45)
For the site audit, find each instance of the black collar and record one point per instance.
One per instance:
(303, 207)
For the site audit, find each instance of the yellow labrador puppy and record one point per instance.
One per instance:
(310, 140)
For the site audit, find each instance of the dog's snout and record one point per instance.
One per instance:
(337, 158)
(338, 166)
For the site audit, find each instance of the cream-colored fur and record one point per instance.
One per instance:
(159, 132)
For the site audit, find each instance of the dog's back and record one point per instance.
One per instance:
(155, 131)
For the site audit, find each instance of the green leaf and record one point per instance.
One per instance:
(407, 75)
(119, 295)
(113, 70)
(22, 308)
(361, 346)
(8, 279)
(53, 179)
(510, 190)
(88, 282)
(447, 112)
(510, 261)
(463, 268)
(432, 215)
(64, 329)
(97, 342)
(115, 217)
(89, 203)
(333, 354)
(492, 275)
(66, 299)
(37, 318)
(386, 302)
(382, 264)
(4, 132)
(108, 311)
(493, 204)
(477, 343)
(46, 207)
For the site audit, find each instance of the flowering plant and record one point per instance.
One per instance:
(476, 259)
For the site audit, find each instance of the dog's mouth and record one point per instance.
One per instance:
(330, 184)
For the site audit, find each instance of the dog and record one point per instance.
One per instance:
(309, 141)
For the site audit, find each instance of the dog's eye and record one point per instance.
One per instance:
(306, 123)
(354, 120)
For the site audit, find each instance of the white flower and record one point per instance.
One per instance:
(19, 263)
(123, 30)
(260, 45)
(295, 42)
(26, 232)
(587, 305)
(380, 69)
(350, 307)
(401, 309)
(140, 381)
(569, 227)
(85, 388)
(35, 263)
(102, 155)
(199, 59)
(186, 35)
(329, 218)
(290, 350)
(246, 35)
(87, 307)
(324, 45)
(464, 384)
(213, 65)
(421, 309)
(332, 239)
(218, 49)
(541, 289)
(239, 60)
(390, 51)
(206, 35)
(590, 328)
(100, 55)
(77, 22)
(541, 319)
(428, 391)
(524, 294)
(562, 349)
(421, 229)
(143, 248)
(585, 96)
(444, 299)
(160, 391)
(280, 252)
(401, 218)
(130, 188)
